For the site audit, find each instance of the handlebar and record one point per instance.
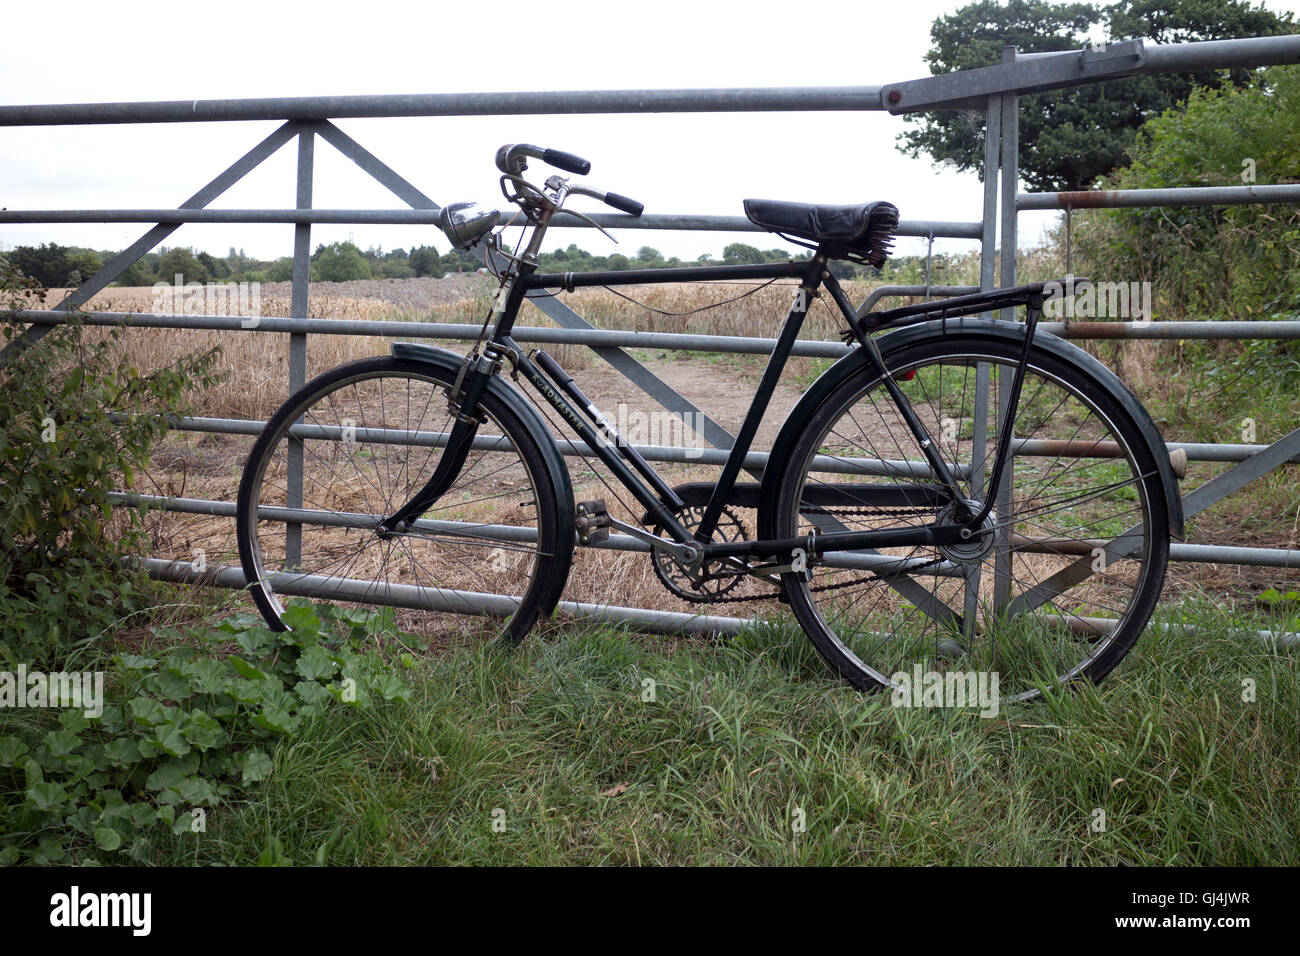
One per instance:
(624, 204)
(512, 159)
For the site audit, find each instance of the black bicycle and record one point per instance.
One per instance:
(959, 494)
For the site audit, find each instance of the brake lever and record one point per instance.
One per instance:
(591, 222)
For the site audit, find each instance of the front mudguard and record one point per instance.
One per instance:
(554, 461)
(895, 344)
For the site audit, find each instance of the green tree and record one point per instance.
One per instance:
(1232, 262)
(281, 270)
(424, 261)
(55, 266)
(217, 268)
(1069, 138)
(738, 253)
(339, 262)
(137, 273)
(182, 262)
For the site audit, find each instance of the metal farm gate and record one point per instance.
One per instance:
(994, 90)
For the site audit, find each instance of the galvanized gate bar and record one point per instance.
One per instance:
(115, 267)
(427, 216)
(298, 340)
(1174, 196)
(524, 103)
(1281, 329)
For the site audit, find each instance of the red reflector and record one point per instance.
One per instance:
(908, 376)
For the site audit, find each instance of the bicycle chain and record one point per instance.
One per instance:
(819, 589)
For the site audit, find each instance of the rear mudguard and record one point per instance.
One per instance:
(893, 347)
(554, 461)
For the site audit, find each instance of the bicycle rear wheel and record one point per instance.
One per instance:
(1068, 568)
(364, 437)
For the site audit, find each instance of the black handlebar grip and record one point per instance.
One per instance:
(623, 204)
(566, 161)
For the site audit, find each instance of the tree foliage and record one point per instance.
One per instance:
(1069, 138)
(1233, 262)
(55, 266)
(181, 261)
(339, 262)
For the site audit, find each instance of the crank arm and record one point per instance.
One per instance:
(689, 555)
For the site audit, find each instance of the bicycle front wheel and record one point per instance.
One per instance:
(1064, 574)
(354, 445)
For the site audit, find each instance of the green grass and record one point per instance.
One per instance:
(743, 733)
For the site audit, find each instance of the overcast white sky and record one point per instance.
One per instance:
(78, 52)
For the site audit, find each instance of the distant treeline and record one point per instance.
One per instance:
(58, 266)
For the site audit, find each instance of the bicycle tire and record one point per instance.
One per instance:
(431, 579)
(940, 639)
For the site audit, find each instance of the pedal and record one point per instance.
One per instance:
(592, 521)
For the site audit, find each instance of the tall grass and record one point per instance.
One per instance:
(747, 737)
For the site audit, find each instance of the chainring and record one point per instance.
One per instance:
(678, 580)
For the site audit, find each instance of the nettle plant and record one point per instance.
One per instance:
(189, 728)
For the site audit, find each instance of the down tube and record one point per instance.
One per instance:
(610, 456)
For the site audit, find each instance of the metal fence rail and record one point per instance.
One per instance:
(993, 90)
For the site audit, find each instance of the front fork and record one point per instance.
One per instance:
(465, 394)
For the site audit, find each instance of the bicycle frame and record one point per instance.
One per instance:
(642, 480)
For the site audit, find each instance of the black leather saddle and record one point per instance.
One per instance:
(864, 232)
